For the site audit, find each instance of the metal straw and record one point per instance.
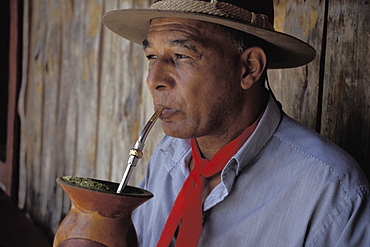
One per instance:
(136, 152)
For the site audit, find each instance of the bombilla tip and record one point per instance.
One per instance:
(156, 114)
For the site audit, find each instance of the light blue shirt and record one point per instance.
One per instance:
(287, 186)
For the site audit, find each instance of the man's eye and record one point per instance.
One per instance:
(151, 57)
(181, 56)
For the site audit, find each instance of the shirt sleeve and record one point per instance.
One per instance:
(349, 225)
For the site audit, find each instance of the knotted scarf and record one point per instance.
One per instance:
(187, 211)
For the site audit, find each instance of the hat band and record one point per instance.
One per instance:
(215, 8)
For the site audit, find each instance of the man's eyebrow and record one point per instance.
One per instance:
(177, 42)
(184, 43)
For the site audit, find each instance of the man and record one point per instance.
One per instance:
(233, 169)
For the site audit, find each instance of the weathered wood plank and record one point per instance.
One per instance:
(86, 47)
(107, 95)
(22, 191)
(51, 77)
(68, 101)
(32, 126)
(346, 105)
(78, 93)
(297, 89)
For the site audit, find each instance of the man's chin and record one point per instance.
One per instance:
(175, 131)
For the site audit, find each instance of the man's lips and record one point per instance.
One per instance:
(166, 112)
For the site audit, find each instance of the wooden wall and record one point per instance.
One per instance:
(332, 94)
(83, 99)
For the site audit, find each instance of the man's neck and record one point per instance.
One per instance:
(210, 145)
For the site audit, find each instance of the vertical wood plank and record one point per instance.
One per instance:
(79, 95)
(297, 88)
(66, 137)
(87, 15)
(32, 124)
(107, 95)
(119, 70)
(22, 192)
(50, 62)
(346, 104)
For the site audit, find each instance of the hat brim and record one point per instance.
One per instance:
(284, 51)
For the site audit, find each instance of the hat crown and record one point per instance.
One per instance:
(264, 7)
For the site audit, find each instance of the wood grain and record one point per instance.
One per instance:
(346, 102)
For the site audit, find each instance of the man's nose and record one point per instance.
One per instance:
(160, 76)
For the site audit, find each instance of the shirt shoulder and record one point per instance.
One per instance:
(307, 143)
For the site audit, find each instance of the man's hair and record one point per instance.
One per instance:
(244, 41)
(241, 39)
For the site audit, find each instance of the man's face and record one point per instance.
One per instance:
(194, 75)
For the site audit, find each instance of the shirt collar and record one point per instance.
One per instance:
(265, 129)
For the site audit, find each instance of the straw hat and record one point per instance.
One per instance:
(250, 16)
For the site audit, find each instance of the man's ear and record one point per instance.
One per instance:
(254, 63)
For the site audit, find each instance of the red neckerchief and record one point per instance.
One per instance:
(187, 208)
